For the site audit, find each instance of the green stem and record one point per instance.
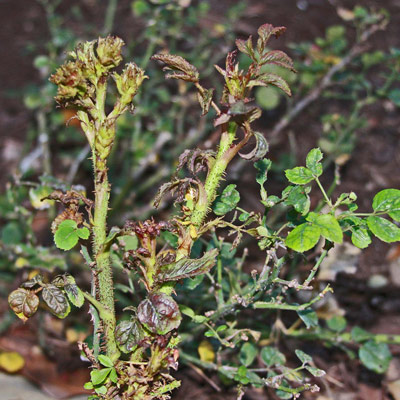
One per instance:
(103, 265)
(315, 268)
(294, 307)
(215, 175)
(328, 201)
(104, 280)
(103, 311)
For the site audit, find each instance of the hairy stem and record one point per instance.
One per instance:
(215, 175)
(100, 251)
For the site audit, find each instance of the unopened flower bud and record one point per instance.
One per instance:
(129, 82)
(109, 51)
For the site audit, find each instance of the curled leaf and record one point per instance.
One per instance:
(186, 267)
(205, 99)
(259, 151)
(182, 69)
(37, 279)
(23, 302)
(159, 313)
(267, 30)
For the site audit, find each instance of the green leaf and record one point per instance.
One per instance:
(313, 161)
(114, 376)
(360, 335)
(88, 386)
(98, 376)
(388, 200)
(329, 227)
(56, 301)
(297, 196)
(74, 294)
(100, 390)
(309, 317)
(68, 234)
(303, 357)
(187, 311)
(83, 233)
(159, 313)
(299, 175)
(383, 229)
(360, 237)
(262, 166)
(315, 371)
(187, 267)
(241, 375)
(105, 360)
(272, 356)
(304, 237)
(375, 356)
(337, 323)
(227, 201)
(248, 353)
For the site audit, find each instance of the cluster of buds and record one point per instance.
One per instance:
(76, 80)
(148, 228)
(82, 83)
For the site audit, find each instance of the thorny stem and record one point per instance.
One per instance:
(101, 254)
(215, 175)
